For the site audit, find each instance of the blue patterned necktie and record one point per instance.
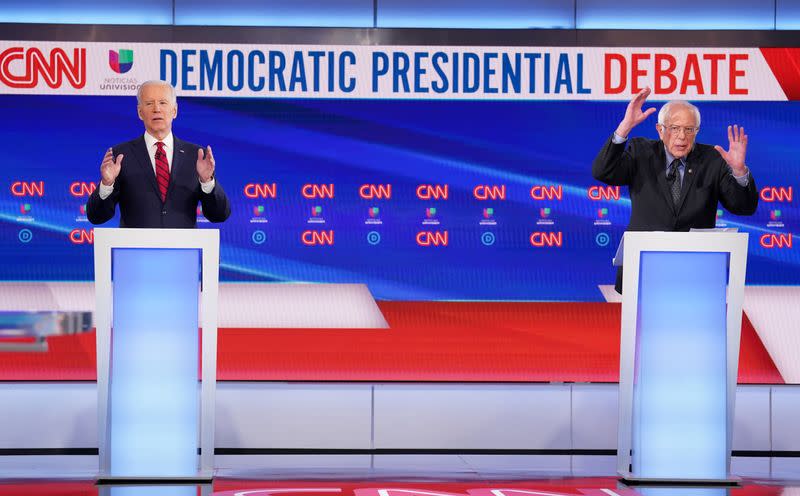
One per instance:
(674, 176)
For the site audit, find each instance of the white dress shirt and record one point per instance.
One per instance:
(152, 148)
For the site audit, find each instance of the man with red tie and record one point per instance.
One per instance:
(158, 179)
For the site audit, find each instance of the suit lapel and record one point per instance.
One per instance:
(140, 151)
(661, 174)
(179, 162)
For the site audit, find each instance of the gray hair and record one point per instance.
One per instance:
(156, 82)
(666, 111)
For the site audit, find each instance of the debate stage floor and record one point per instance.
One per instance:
(390, 475)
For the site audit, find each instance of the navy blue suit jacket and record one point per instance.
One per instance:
(136, 191)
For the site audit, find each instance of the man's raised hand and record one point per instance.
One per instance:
(633, 114)
(109, 169)
(205, 164)
(737, 149)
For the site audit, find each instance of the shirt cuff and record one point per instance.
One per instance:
(105, 191)
(744, 179)
(618, 140)
(209, 186)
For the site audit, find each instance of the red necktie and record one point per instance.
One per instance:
(162, 170)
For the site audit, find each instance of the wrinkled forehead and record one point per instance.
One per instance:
(681, 115)
(156, 92)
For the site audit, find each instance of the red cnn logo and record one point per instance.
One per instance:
(23, 188)
(81, 236)
(486, 192)
(770, 194)
(79, 188)
(314, 191)
(432, 238)
(34, 64)
(253, 190)
(375, 191)
(547, 192)
(776, 240)
(433, 192)
(542, 239)
(317, 238)
(603, 193)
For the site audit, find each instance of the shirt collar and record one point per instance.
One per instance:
(150, 141)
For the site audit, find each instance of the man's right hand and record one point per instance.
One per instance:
(633, 114)
(109, 169)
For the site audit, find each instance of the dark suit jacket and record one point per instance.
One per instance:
(641, 165)
(136, 191)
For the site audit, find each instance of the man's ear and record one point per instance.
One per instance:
(139, 113)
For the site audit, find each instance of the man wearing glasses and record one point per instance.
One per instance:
(675, 184)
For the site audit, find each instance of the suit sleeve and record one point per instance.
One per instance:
(615, 163)
(99, 211)
(739, 200)
(216, 207)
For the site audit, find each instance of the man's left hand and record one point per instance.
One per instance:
(737, 149)
(205, 164)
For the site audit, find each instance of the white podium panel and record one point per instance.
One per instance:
(679, 356)
(151, 287)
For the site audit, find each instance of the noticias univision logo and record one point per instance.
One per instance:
(373, 216)
(120, 62)
(199, 212)
(258, 215)
(602, 217)
(487, 217)
(25, 213)
(81, 217)
(775, 218)
(545, 219)
(430, 217)
(719, 221)
(316, 215)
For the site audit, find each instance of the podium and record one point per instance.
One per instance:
(153, 289)
(679, 355)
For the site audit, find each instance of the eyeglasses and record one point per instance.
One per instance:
(688, 131)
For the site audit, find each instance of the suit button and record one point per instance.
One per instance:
(163, 212)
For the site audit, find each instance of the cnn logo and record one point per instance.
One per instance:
(317, 238)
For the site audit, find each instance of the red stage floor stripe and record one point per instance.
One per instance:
(426, 341)
(571, 486)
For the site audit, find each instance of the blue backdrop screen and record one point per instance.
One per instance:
(545, 230)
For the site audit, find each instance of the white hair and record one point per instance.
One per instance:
(666, 111)
(157, 82)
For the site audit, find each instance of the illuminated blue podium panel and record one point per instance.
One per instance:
(679, 355)
(152, 286)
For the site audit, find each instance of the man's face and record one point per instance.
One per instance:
(679, 131)
(156, 110)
